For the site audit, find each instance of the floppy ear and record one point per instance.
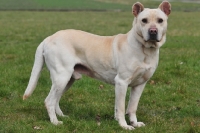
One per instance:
(165, 6)
(137, 8)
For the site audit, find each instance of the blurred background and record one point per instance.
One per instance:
(94, 5)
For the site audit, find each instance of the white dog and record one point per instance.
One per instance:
(125, 60)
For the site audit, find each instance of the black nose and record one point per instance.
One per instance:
(153, 34)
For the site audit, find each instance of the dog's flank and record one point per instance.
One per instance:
(122, 60)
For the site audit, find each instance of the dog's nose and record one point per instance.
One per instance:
(153, 31)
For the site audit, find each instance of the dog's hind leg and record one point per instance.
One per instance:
(75, 76)
(59, 81)
(58, 110)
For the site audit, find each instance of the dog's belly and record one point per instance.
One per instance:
(108, 76)
(103, 75)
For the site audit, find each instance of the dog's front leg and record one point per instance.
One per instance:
(120, 95)
(136, 92)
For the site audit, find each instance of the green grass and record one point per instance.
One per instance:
(170, 102)
(57, 5)
(98, 5)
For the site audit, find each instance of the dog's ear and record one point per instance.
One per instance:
(165, 6)
(137, 8)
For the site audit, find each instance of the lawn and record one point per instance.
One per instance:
(170, 102)
(89, 5)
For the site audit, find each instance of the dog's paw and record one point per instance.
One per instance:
(127, 127)
(61, 114)
(57, 122)
(137, 124)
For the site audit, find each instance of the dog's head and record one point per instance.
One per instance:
(151, 24)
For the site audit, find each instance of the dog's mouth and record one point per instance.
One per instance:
(150, 44)
(153, 35)
(152, 40)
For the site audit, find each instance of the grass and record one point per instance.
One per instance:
(94, 5)
(60, 5)
(170, 102)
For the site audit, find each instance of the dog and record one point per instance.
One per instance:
(124, 60)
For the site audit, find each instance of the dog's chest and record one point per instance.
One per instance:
(144, 71)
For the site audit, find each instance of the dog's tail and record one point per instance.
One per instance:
(35, 74)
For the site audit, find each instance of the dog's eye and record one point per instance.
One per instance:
(160, 20)
(144, 20)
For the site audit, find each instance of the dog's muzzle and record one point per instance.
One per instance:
(153, 34)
